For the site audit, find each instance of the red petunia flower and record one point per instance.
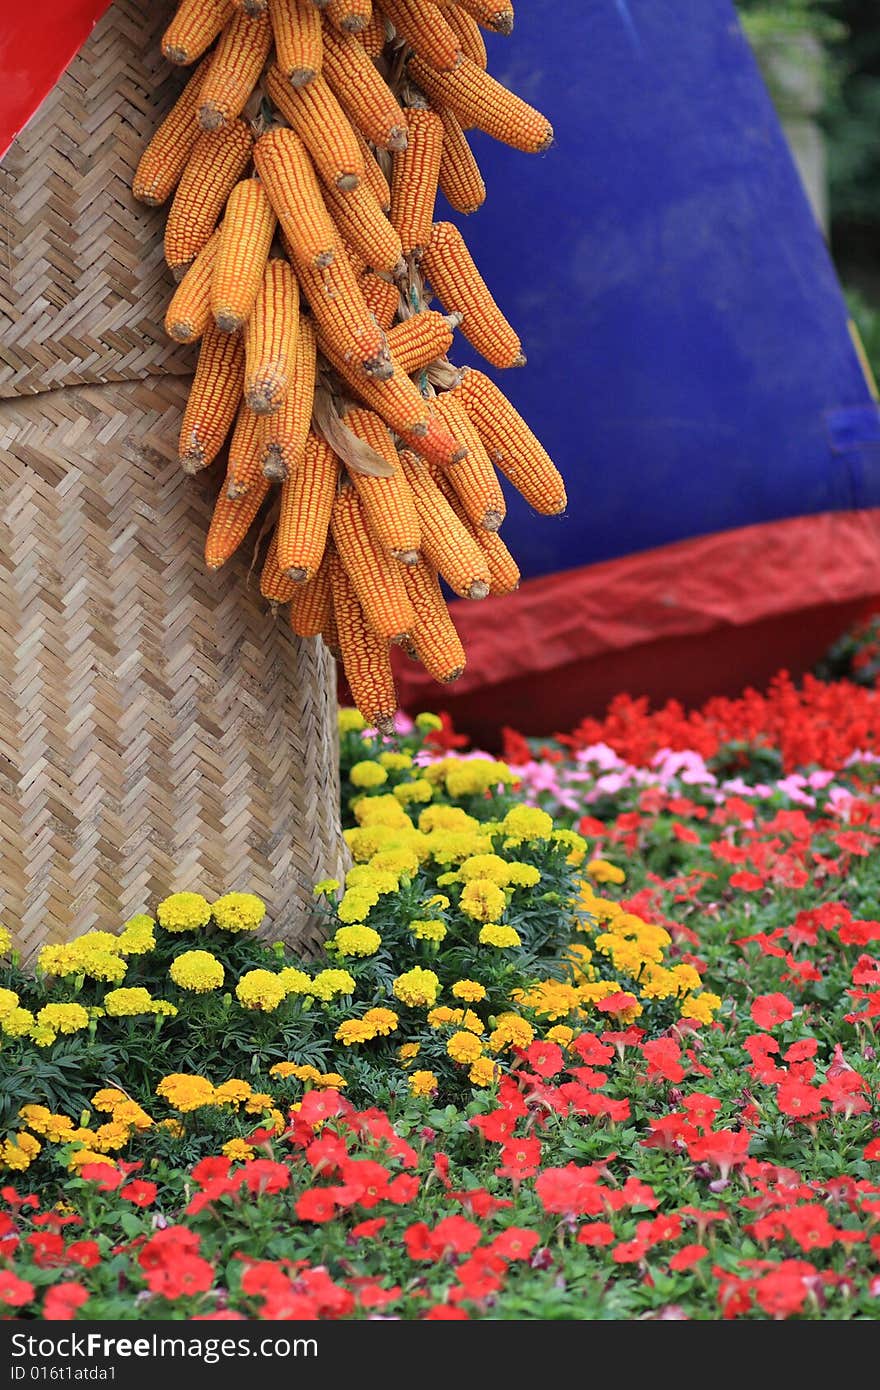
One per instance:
(180, 1277)
(769, 1010)
(545, 1058)
(14, 1292)
(515, 1243)
(687, 1257)
(663, 1056)
(316, 1204)
(597, 1233)
(63, 1300)
(139, 1192)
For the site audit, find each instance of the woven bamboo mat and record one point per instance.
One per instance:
(158, 729)
(83, 281)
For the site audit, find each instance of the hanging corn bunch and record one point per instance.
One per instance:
(304, 157)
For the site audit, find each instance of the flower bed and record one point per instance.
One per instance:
(659, 1100)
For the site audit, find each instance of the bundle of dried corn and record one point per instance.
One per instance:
(304, 155)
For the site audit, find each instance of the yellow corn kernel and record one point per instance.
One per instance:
(235, 67)
(218, 160)
(286, 430)
(163, 161)
(436, 642)
(230, 523)
(321, 124)
(310, 604)
(306, 503)
(377, 578)
(478, 100)
(424, 28)
(362, 92)
(414, 176)
(461, 288)
(361, 223)
(194, 28)
(365, 657)
(447, 544)
(213, 398)
(270, 339)
(189, 312)
(511, 445)
(245, 238)
(295, 194)
(474, 477)
(296, 27)
(461, 182)
(244, 468)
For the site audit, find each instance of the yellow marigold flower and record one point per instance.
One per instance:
(404, 863)
(482, 900)
(96, 941)
(416, 792)
(17, 1023)
(428, 723)
(409, 1051)
(56, 1128)
(5, 940)
(656, 983)
(428, 931)
(383, 810)
(63, 1018)
(367, 774)
(8, 1002)
(473, 776)
(395, 762)
(687, 979)
(472, 1022)
(450, 818)
(286, 1069)
(423, 1083)
(527, 823)
(523, 875)
(331, 1081)
(41, 1034)
(603, 872)
(356, 903)
(184, 912)
(357, 940)
(469, 990)
(111, 1136)
(325, 887)
(328, 983)
(350, 721)
(354, 1030)
(174, 1128)
(464, 1047)
(368, 876)
(239, 1150)
(702, 1007)
(260, 989)
(502, 937)
(574, 843)
(14, 1156)
(560, 1034)
(233, 1092)
(197, 971)
(512, 1031)
(600, 989)
(489, 866)
(484, 1072)
(185, 1092)
(102, 965)
(258, 1102)
(84, 1156)
(237, 912)
(417, 987)
(441, 1016)
(131, 1114)
(137, 937)
(295, 981)
(439, 902)
(58, 960)
(128, 1003)
(384, 1021)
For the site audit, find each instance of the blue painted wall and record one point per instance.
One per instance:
(690, 368)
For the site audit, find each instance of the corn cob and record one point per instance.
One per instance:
(511, 445)
(321, 124)
(434, 637)
(235, 68)
(362, 224)
(245, 238)
(421, 339)
(460, 179)
(310, 604)
(365, 657)
(470, 40)
(232, 519)
(218, 160)
(362, 92)
(438, 444)
(414, 178)
(163, 161)
(189, 312)
(373, 176)
(478, 100)
(245, 466)
(504, 573)
(213, 399)
(381, 296)
(374, 37)
(270, 339)
(377, 579)
(286, 431)
(295, 194)
(424, 28)
(447, 544)
(346, 325)
(396, 398)
(274, 585)
(473, 478)
(306, 504)
(460, 286)
(349, 16)
(296, 28)
(489, 13)
(388, 502)
(194, 27)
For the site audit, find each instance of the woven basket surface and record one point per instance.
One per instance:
(159, 728)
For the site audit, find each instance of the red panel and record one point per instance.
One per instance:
(703, 617)
(38, 38)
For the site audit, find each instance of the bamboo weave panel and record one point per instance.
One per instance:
(83, 281)
(158, 728)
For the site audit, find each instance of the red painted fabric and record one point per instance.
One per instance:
(703, 610)
(38, 38)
